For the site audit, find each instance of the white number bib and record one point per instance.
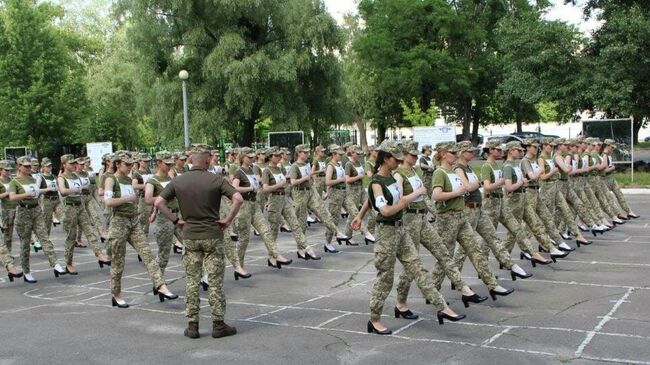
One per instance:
(394, 192)
(305, 170)
(535, 167)
(360, 170)
(252, 179)
(31, 188)
(74, 184)
(85, 182)
(456, 184)
(497, 174)
(278, 178)
(339, 172)
(126, 190)
(518, 173)
(551, 164)
(322, 166)
(50, 183)
(416, 183)
(146, 177)
(164, 183)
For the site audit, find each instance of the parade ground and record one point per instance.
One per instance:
(589, 308)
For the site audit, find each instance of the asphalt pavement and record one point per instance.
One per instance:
(591, 307)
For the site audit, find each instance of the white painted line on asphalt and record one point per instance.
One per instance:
(496, 336)
(627, 239)
(409, 325)
(601, 324)
(332, 320)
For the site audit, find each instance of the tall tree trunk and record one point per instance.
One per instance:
(381, 134)
(248, 129)
(519, 129)
(476, 121)
(467, 117)
(361, 126)
(638, 123)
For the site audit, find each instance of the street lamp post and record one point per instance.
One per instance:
(184, 75)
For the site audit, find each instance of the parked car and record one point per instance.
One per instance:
(536, 135)
(646, 139)
(502, 138)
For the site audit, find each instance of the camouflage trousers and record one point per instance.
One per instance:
(50, 206)
(394, 243)
(166, 233)
(428, 184)
(76, 217)
(498, 211)
(319, 185)
(573, 194)
(30, 220)
(224, 208)
(423, 233)
(545, 215)
(578, 184)
(486, 236)
(208, 255)
(305, 200)
(93, 218)
(612, 185)
(592, 200)
(260, 199)
(280, 207)
(8, 219)
(452, 227)
(335, 201)
(523, 206)
(144, 211)
(5, 258)
(569, 205)
(600, 190)
(123, 229)
(250, 214)
(353, 200)
(371, 214)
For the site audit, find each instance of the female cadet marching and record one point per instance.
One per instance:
(423, 233)
(29, 218)
(246, 183)
(8, 263)
(306, 198)
(318, 170)
(354, 196)
(452, 224)
(75, 214)
(498, 210)
(479, 220)
(428, 166)
(50, 202)
(589, 168)
(86, 200)
(371, 160)
(8, 207)
(610, 180)
(139, 178)
(618, 215)
(393, 241)
(125, 227)
(274, 183)
(335, 182)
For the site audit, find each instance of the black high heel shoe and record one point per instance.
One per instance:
(285, 263)
(29, 281)
(204, 285)
(243, 276)
(559, 256)
(515, 275)
(596, 231)
(139, 258)
(116, 304)
(522, 256)
(340, 240)
(586, 243)
(163, 296)
(11, 275)
(59, 273)
(372, 329)
(330, 250)
(442, 316)
(635, 216)
(310, 257)
(277, 264)
(234, 238)
(407, 314)
(36, 249)
(282, 229)
(178, 250)
(475, 298)
(350, 243)
(535, 261)
(368, 240)
(302, 257)
(102, 263)
(494, 293)
(155, 291)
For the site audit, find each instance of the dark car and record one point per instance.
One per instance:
(503, 139)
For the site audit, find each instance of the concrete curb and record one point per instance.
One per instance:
(645, 191)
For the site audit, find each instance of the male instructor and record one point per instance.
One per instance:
(199, 196)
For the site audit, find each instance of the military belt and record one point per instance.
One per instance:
(28, 206)
(416, 211)
(398, 223)
(473, 204)
(277, 193)
(74, 204)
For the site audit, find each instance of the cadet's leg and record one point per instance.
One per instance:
(193, 257)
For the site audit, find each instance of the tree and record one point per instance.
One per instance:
(247, 59)
(416, 116)
(42, 94)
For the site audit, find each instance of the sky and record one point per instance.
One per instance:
(568, 13)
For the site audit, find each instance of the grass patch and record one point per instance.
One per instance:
(642, 145)
(641, 179)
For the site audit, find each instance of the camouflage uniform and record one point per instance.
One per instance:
(125, 227)
(319, 180)
(335, 198)
(87, 204)
(428, 179)
(5, 258)
(354, 193)
(279, 206)
(250, 214)
(8, 209)
(371, 215)
(208, 255)
(612, 185)
(50, 201)
(394, 242)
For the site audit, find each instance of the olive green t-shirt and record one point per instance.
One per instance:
(370, 166)
(49, 181)
(353, 169)
(425, 160)
(273, 175)
(298, 171)
(199, 197)
(321, 166)
(391, 195)
(411, 182)
(23, 184)
(72, 181)
(492, 173)
(527, 166)
(563, 175)
(122, 187)
(337, 172)
(513, 173)
(549, 164)
(159, 184)
(4, 188)
(85, 181)
(470, 175)
(447, 180)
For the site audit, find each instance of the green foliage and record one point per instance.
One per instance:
(413, 113)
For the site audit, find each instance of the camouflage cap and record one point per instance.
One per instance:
(214, 152)
(6, 165)
(165, 156)
(347, 144)
(356, 149)
(274, 151)
(610, 142)
(46, 161)
(124, 157)
(320, 148)
(284, 150)
(393, 148)
(81, 160)
(247, 151)
(465, 146)
(334, 148)
(68, 159)
(530, 142)
(513, 145)
(547, 140)
(596, 140)
(446, 147)
(180, 156)
(198, 149)
(260, 151)
(560, 141)
(426, 147)
(24, 160)
(372, 147)
(411, 147)
(302, 148)
(494, 144)
(579, 140)
(106, 156)
(34, 162)
(144, 157)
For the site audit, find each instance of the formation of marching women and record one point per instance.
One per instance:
(549, 191)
